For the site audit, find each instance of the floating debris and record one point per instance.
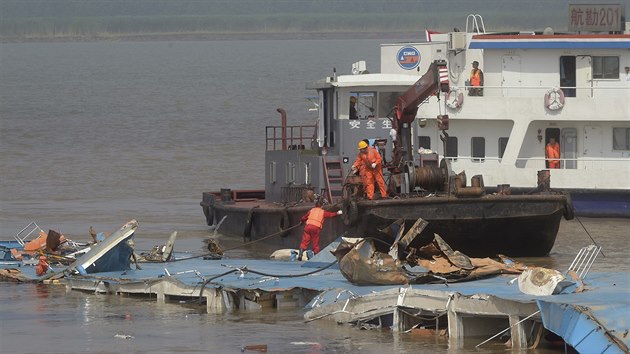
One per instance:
(124, 336)
(255, 347)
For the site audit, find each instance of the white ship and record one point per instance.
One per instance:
(574, 88)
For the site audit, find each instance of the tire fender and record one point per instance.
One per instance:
(284, 223)
(569, 210)
(247, 231)
(350, 212)
(208, 210)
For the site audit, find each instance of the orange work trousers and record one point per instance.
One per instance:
(369, 177)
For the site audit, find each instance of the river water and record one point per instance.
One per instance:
(95, 134)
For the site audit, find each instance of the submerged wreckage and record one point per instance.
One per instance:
(109, 253)
(378, 283)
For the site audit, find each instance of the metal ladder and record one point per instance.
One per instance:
(333, 177)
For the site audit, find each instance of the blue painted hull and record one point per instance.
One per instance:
(601, 204)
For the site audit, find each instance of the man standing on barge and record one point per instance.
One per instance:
(370, 165)
(314, 223)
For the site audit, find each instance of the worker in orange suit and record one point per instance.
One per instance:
(370, 163)
(476, 80)
(552, 153)
(314, 223)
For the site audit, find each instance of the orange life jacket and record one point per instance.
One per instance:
(316, 217)
(475, 77)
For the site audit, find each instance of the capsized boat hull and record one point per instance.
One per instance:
(514, 225)
(111, 254)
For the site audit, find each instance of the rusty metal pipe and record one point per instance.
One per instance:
(469, 192)
(283, 115)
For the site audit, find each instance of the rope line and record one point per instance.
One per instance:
(235, 247)
(244, 270)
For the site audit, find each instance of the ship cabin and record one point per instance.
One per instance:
(574, 88)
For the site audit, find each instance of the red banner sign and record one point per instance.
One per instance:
(597, 18)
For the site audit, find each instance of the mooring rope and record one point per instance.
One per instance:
(589, 235)
(235, 247)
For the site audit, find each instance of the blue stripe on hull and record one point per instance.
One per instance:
(601, 205)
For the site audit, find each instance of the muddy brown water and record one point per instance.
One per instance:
(95, 134)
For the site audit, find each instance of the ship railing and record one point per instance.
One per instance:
(568, 91)
(582, 163)
(290, 137)
(29, 232)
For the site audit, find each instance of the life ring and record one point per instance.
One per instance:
(569, 210)
(284, 223)
(350, 212)
(554, 99)
(454, 98)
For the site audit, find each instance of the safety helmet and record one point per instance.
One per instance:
(362, 145)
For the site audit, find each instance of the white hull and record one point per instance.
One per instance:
(573, 88)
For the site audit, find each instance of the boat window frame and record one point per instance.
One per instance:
(424, 138)
(449, 149)
(599, 67)
(385, 101)
(290, 173)
(617, 147)
(361, 105)
(478, 148)
(502, 146)
(272, 172)
(307, 173)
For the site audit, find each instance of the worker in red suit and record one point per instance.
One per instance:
(552, 153)
(314, 223)
(370, 163)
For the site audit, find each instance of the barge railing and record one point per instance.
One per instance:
(291, 137)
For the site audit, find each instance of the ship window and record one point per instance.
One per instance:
(272, 172)
(478, 148)
(424, 142)
(621, 138)
(362, 105)
(451, 148)
(605, 67)
(307, 173)
(567, 75)
(386, 100)
(502, 145)
(290, 172)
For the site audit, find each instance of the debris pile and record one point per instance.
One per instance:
(362, 263)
